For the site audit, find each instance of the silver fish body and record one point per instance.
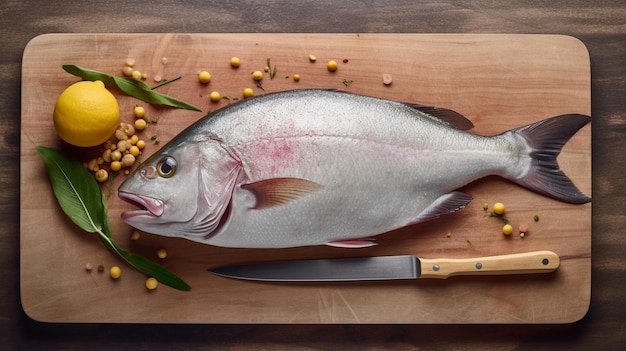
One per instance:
(312, 167)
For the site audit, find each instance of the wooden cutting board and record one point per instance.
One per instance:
(498, 81)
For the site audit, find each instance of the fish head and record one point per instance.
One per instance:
(184, 189)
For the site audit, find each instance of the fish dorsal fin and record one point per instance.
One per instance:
(450, 117)
(280, 191)
(444, 204)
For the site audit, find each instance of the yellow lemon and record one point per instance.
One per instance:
(86, 114)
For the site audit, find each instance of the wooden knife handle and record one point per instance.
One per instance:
(520, 263)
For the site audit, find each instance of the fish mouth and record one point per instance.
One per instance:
(150, 206)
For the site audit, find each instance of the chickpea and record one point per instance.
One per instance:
(162, 253)
(248, 92)
(204, 77)
(106, 155)
(116, 166)
(257, 75)
(102, 175)
(134, 150)
(128, 160)
(115, 272)
(151, 283)
(140, 124)
(127, 128)
(116, 155)
(332, 65)
(139, 111)
(215, 96)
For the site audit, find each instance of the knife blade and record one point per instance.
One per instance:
(390, 268)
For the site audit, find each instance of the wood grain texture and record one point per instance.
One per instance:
(599, 26)
(495, 80)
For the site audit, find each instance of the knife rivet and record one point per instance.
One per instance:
(545, 261)
(435, 267)
(479, 265)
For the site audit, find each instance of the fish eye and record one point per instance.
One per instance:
(166, 167)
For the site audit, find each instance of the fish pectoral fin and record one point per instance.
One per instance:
(353, 243)
(444, 204)
(280, 191)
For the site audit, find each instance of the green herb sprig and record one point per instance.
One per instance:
(82, 200)
(272, 70)
(130, 86)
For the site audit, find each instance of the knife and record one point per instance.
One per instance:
(390, 268)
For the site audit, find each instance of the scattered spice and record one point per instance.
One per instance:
(485, 206)
(507, 229)
(523, 228)
(347, 82)
(312, 58)
(387, 79)
(88, 267)
(346, 60)
(100, 268)
(536, 218)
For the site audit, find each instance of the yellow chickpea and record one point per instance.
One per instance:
(257, 75)
(204, 77)
(115, 272)
(140, 124)
(215, 96)
(332, 65)
(151, 283)
(134, 150)
(102, 175)
(248, 92)
(498, 208)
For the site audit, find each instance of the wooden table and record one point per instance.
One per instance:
(600, 29)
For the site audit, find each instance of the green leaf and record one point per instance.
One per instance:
(151, 269)
(82, 200)
(70, 181)
(130, 86)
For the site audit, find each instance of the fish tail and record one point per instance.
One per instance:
(546, 139)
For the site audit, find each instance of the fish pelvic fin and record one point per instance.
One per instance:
(280, 191)
(446, 203)
(546, 139)
(353, 243)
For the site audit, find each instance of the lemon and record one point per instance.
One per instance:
(86, 114)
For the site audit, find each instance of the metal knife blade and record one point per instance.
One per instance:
(390, 268)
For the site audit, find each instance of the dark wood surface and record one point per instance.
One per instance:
(600, 26)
